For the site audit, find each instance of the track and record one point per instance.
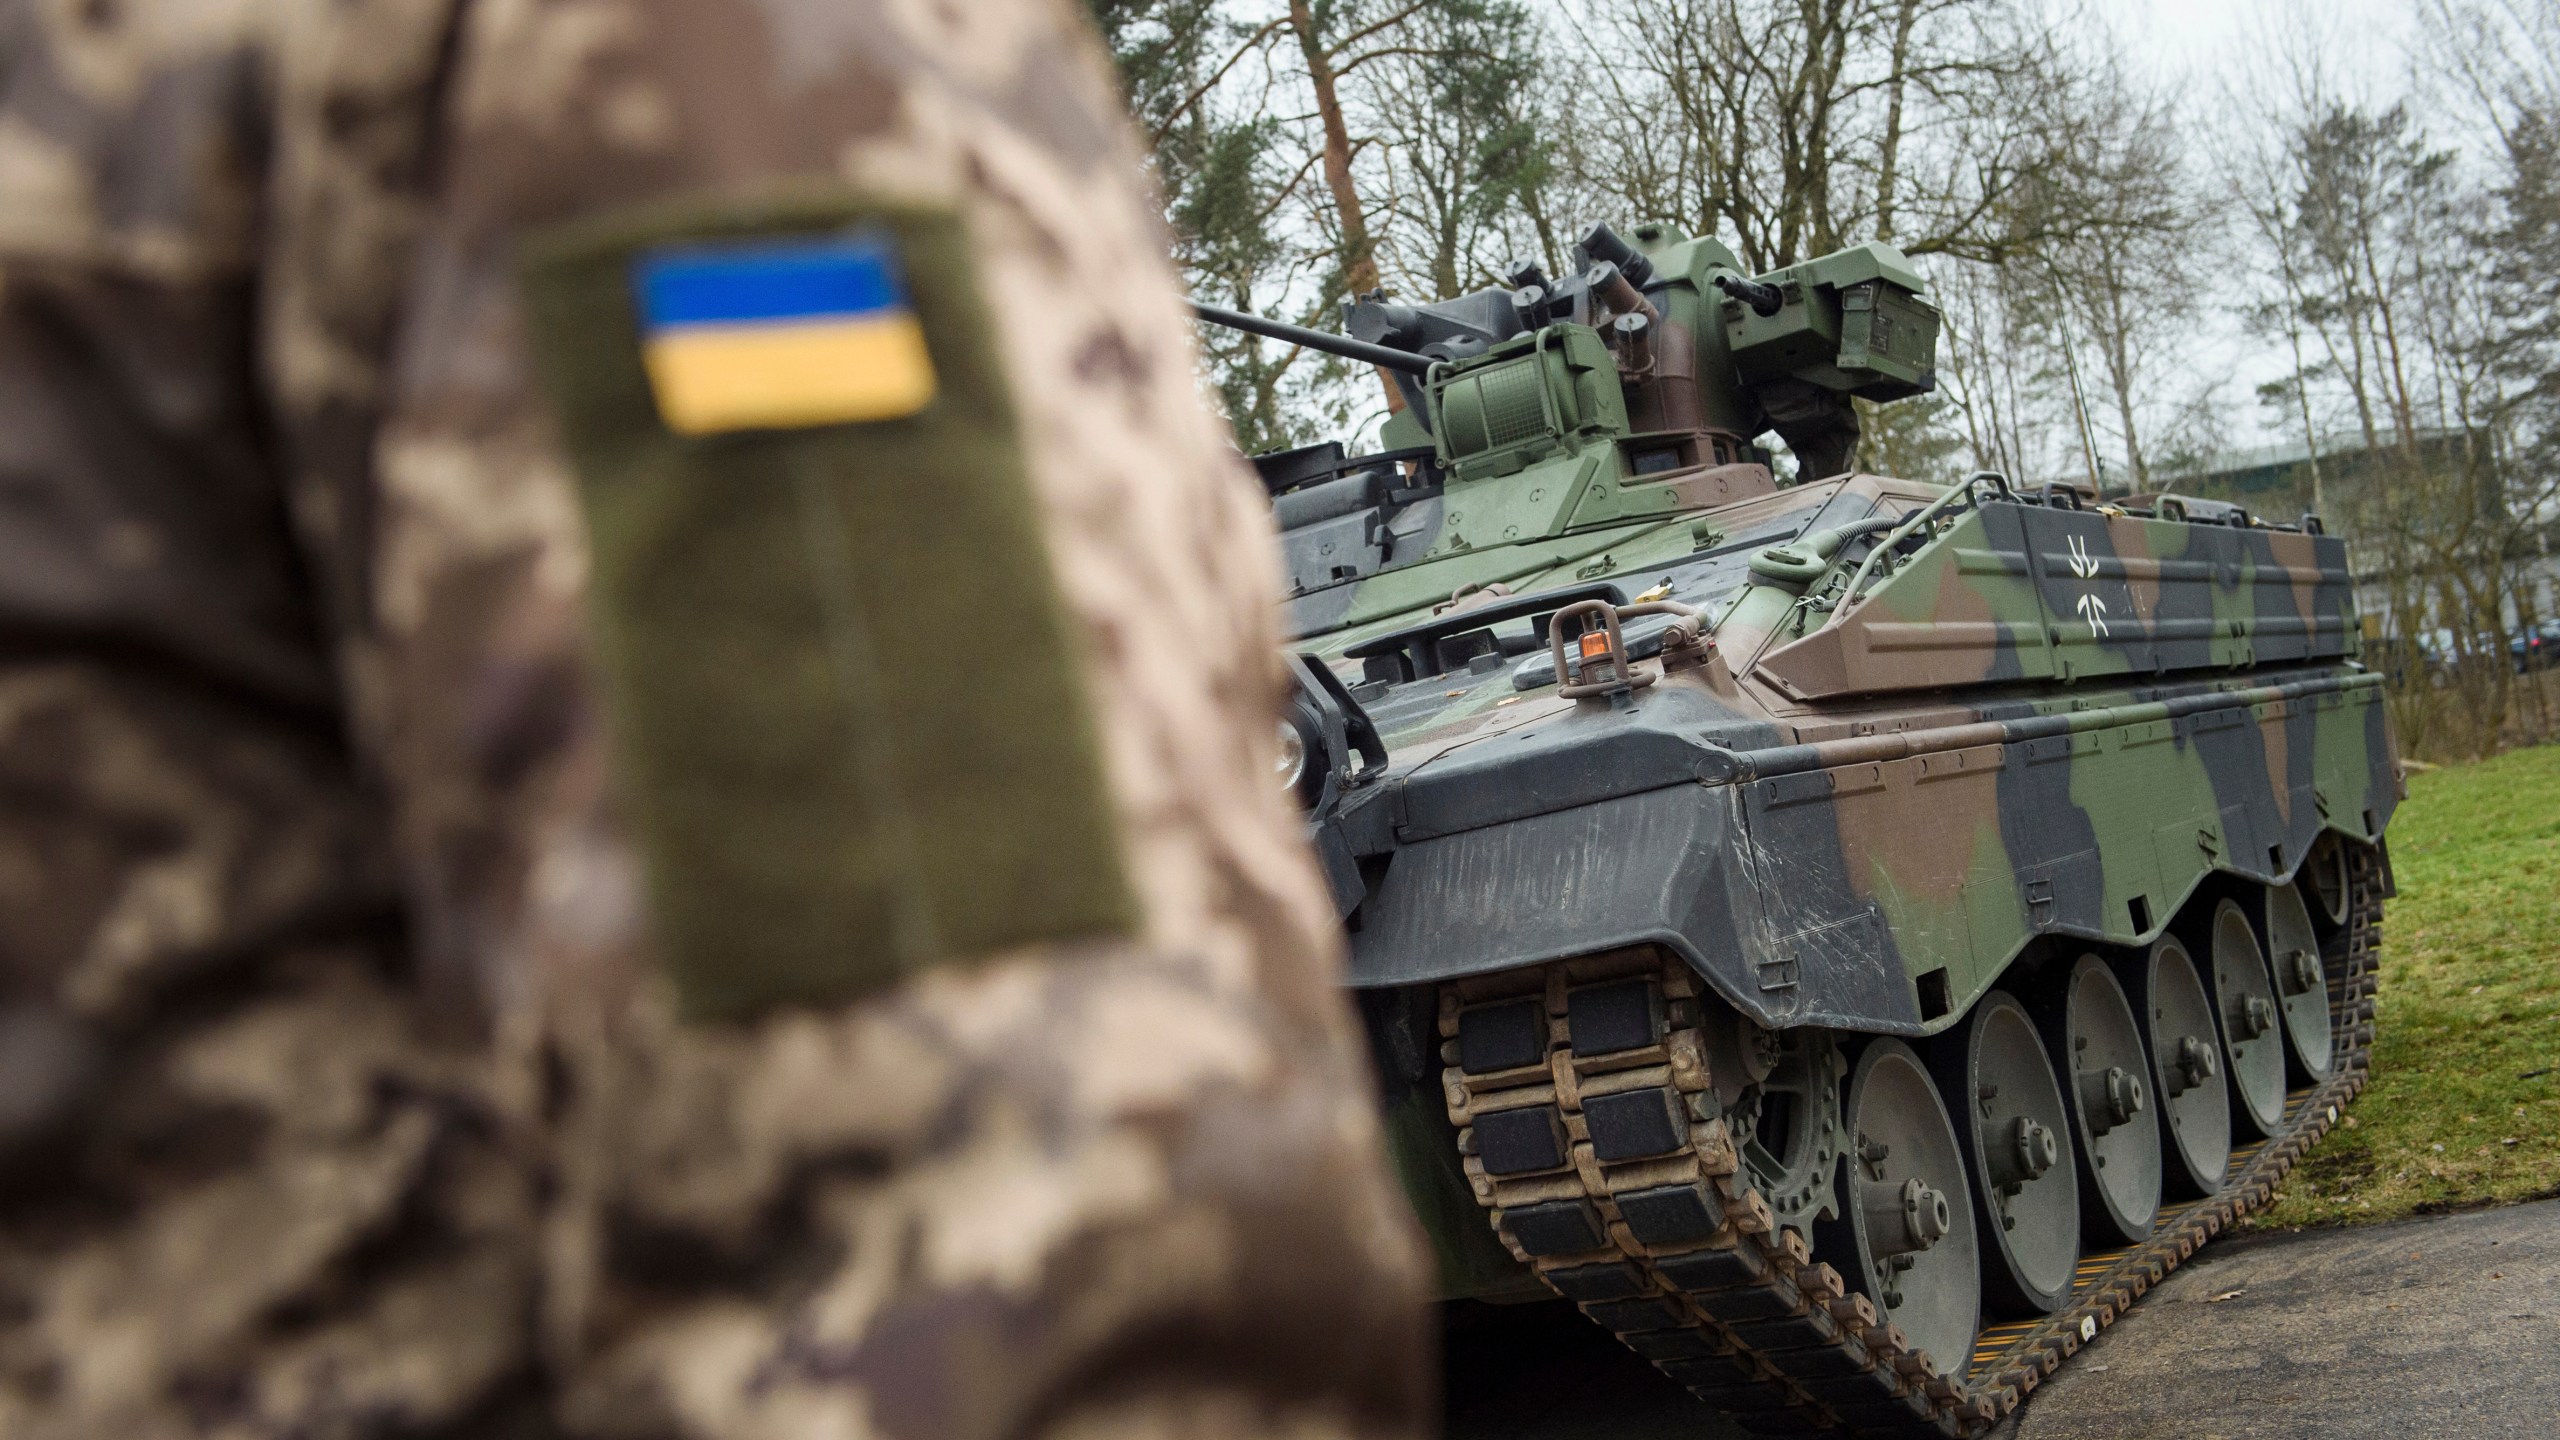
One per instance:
(1645, 1219)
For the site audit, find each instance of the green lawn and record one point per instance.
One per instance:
(2464, 1107)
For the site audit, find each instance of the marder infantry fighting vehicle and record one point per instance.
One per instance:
(1849, 938)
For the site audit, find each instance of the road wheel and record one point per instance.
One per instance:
(2187, 1066)
(2015, 1130)
(2324, 880)
(1905, 1203)
(2095, 1043)
(2302, 982)
(2245, 1002)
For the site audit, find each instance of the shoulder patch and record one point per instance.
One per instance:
(849, 714)
(780, 334)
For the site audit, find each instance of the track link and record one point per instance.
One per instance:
(1590, 1130)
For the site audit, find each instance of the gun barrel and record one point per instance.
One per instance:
(1762, 298)
(1344, 346)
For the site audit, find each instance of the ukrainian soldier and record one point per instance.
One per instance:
(632, 707)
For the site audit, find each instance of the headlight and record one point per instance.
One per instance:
(1292, 764)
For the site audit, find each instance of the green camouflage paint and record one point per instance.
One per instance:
(2037, 725)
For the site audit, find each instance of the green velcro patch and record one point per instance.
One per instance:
(849, 718)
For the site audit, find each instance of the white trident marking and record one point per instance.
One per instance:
(2091, 608)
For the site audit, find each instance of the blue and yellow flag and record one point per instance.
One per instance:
(780, 335)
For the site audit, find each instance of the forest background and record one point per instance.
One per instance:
(2343, 248)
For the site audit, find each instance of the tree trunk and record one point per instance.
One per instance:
(2118, 348)
(1359, 263)
(2293, 301)
(1889, 162)
(1542, 220)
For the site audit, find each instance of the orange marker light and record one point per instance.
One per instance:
(1595, 645)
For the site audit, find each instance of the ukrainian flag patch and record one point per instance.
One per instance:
(780, 335)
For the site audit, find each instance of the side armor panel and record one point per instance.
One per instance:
(1885, 882)
(2019, 592)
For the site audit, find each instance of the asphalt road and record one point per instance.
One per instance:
(2439, 1329)
(2423, 1330)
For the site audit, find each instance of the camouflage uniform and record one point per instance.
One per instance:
(342, 1097)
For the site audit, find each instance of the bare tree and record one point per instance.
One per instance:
(2397, 310)
(2398, 271)
(1466, 156)
(2130, 287)
(1794, 128)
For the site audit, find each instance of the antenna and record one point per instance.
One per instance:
(2080, 407)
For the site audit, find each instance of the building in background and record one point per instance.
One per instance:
(2405, 515)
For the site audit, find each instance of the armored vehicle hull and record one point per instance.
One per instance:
(1849, 939)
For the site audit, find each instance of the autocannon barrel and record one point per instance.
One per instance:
(1341, 345)
(1763, 298)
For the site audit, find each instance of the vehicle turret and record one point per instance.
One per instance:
(1848, 938)
(1662, 349)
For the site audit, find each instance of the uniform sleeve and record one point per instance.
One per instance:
(1119, 1171)
(178, 787)
(239, 1167)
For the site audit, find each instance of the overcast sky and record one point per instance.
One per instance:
(2212, 41)
(2218, 47)
(2225, 53)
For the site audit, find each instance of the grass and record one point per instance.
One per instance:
(2464, 1106)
